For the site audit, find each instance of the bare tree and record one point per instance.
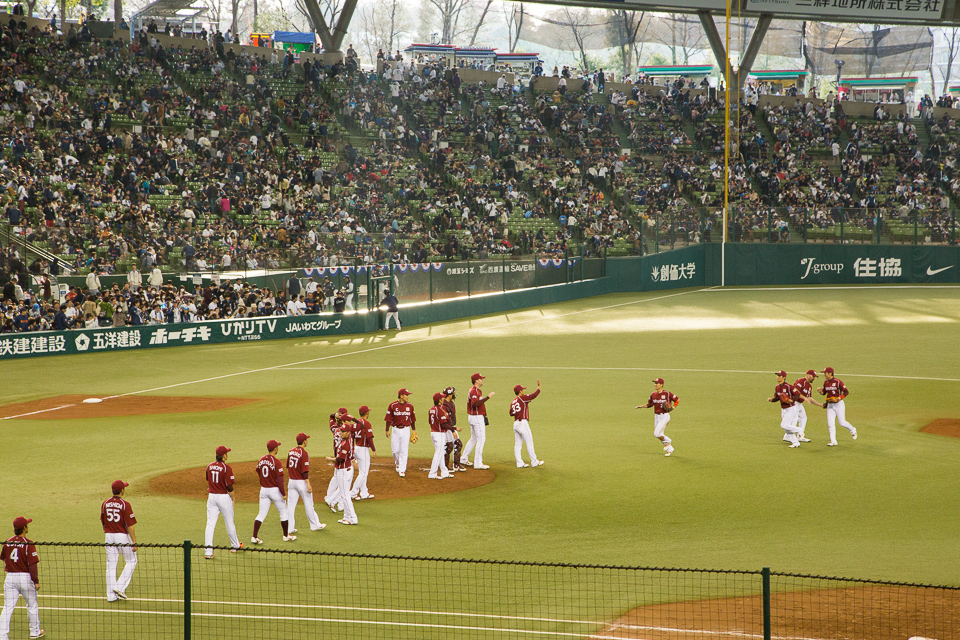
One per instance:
(450, 11)
(624, 33)
(680, 33)
(381, 25)
(582, 27)
(480, 21)
(514, 18)
(952, 37)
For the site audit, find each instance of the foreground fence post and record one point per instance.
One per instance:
(766, 602)
(186, 589)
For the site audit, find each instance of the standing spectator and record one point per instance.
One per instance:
(520, 410)
(348, 291)
(364, 450)
(20, 561)
(220, 502)
(390, 302)
(270, 472)
(156, 277)
(116, 516)
(93, 282)
(298, 462)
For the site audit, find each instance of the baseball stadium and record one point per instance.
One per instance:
(656, 352)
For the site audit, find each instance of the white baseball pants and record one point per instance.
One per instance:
(400, 446)
(113, 560)
(660, 421)
(350, 302)
(802, 418)
(333, 492)
(268, 496)
(396, 318)
(220, 504)
(14, 586)
(297, 489)
(788, 422)
(344, 478)
(478, 436)
(523, 436)
(360, 488)
(836, 412)
(438, 468)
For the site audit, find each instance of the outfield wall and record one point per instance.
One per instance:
(694, 266)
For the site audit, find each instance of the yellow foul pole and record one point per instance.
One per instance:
(726, 151)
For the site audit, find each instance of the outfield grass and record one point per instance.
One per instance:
(732, 496)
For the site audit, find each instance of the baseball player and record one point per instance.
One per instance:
(663, 402)
(270, 473)
(454, 444)
(363, 449)
(116, 516)
(477, 419)
(298, 486)
(520, 410)
(806, 390)
(438, 419)
(220, 501)
(20, 560)
(835, 391)
(789, 397)
(400, 416)
(343, 471)
(336, 421)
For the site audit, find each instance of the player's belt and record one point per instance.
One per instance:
(400, 426)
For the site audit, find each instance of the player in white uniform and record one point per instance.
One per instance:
(806, 390)
(220, 502)
(364, 449)
(298, 486)
(270, 473)
(520, 410)
(477, 419)
(835, 391)
(663, 402)
(20, 560)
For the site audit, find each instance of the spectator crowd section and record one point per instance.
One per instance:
(138, 155)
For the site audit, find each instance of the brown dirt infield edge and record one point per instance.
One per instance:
(383, 482)
(944, 427)
(71, 407)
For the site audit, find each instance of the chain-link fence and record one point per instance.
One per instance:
(176, 593)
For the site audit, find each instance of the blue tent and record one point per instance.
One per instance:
(294, 37)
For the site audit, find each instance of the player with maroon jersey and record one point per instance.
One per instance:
(298, 486)
(343, 471)
(116, 516)
(520, 410)
(835, 391)
(789, 396)
(438, 419)
(20, 559)
(477, 419)
(401, 417)
(363, 449)
(270, 473)
(220, 502)
(663, 402)
(806, 390)
(453, 444)
(336, 421)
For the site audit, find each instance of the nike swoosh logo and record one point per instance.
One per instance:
(933, 272)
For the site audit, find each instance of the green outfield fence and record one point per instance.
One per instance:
(262, 592)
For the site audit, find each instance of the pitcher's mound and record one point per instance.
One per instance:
(383, 481)
(78, 406)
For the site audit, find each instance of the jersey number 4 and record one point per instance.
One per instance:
(14, 554)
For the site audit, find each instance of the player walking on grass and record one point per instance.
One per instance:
(270, 473)
(663, 402)
(298, 486)
(20, 560)
(803, 385)
(343, 471)
(116, 516)
(363, 449)
(220, 502)
(401, 417)
(520, 410)
(835, 391)
(336, 421)
(790, 397)
(477, 419)
(438, 419)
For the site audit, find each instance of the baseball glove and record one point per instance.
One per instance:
(414, 438)
(667, 408)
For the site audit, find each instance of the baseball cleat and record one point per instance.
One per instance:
(433, 477)
(831, 444)
(461, 469)
(522, 466)
(256, 540)
(345, 521)
(802, 439)
(785, 438)
(795, 445)
(289, 538)
(402, 474)
(208, 557)
(320, 528)
(466, 463)
(292, 531)
(481, 466)
(234, 550)
(120, 594)
(539, 463)
(40, 635)
(854, 434)
(332, 507)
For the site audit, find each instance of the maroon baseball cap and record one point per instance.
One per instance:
(518, 388)
(828, 370)
(476, 377)
(363, 409)
(782, 373)
(342, 410)
(811, 372)
(21, 522)
(403, 392)
(119, 485)
(273, 444)
(449, 391)
(437, 397)
(302, 437)
(222, 450)
(658, 381)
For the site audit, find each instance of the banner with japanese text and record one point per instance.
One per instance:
(673, 269)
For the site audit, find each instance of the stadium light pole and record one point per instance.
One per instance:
(726, 154)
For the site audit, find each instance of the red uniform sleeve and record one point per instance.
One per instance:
(128, 518)
(229, 479)
(531, 396)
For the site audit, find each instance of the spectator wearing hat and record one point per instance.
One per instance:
(116, 516)
(20, 560)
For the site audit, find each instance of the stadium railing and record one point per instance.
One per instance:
(263, 592)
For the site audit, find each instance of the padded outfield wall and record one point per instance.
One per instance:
(695, 266)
